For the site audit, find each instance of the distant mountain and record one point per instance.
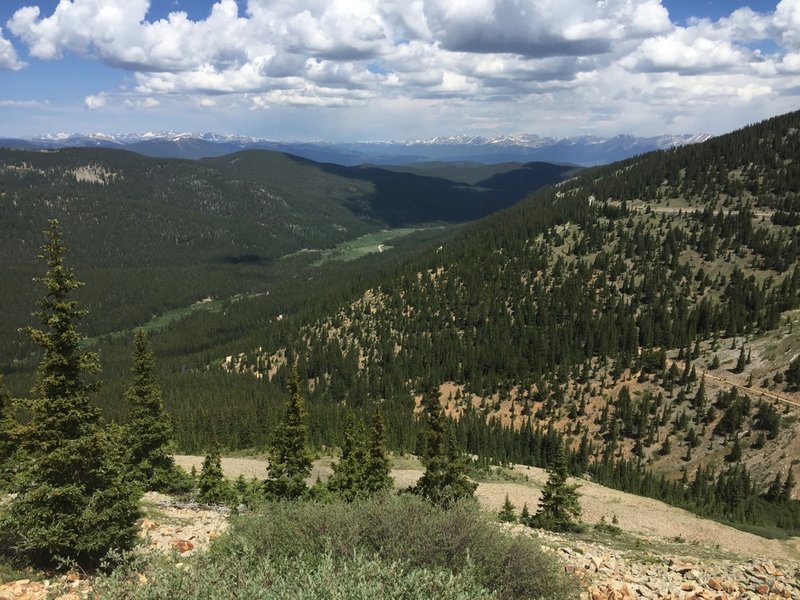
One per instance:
(582, 150)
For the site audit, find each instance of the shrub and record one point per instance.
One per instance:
(300, 578)
(455, 553)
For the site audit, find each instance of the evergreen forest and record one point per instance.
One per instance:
(605, 323)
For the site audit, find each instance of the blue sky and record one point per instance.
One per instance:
(392, 69)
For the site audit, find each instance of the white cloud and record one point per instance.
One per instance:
(541, 28)
(786, 23)
(601, 59)
(8, 55)
(24, 103)
(680, 52)
(95, 102)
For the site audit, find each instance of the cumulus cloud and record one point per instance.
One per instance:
(539, 28)
(681, 52)
(8, 55)
(118, 33)
(566, 55)
(95, 102)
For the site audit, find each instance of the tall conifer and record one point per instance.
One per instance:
(71, 500)
(289, 457)
(377, 474)
(212, 486)
(559, 508)
(347, 480)
(148, 431)
(445, 479)
(8, 426)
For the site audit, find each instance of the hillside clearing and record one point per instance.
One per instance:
(637, 515)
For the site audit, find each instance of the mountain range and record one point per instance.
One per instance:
(585, 150)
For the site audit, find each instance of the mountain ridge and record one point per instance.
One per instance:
(582, 150)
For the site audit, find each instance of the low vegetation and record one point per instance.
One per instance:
(393, 547)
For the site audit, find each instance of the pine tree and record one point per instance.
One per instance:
(72, 501)
(788, 486)
(148, 431)
(741, 362)
(212, 487)
(525, 515)
(290, 459)
(348, 478)
(8, 426)
(559, 508)
(792, 374)
(445, 478)
(735, 453)
(377, 473)
(507, 514)
(773, 493)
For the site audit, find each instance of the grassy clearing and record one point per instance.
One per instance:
(389, 548)
(366, 244)
(163, 320)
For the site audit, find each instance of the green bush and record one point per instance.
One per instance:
(299, 578)
(408, 530)
(288, 549)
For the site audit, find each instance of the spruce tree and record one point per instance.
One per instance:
(377, 473)
(792, 375)
(559, 509)
(773, 493)
(445, 478)
(735, 454)
(525, 515)
(290, 459)
(507, 514)
(741, 362)
(347, 480)
(148, 431)
(788, 486)
(8, 426)
(71, 499)
(212, 487)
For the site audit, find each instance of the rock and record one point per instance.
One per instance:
(148, 524)
(679, 567)
(714, 584)
(730, 587)
(762, 588)
(182, 545)
(687, 586)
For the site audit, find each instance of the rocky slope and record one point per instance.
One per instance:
(659, 552)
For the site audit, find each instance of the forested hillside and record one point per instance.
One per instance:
(645, 311)
(148, 235)
(594, 310)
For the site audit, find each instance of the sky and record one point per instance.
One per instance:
(347, 70)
